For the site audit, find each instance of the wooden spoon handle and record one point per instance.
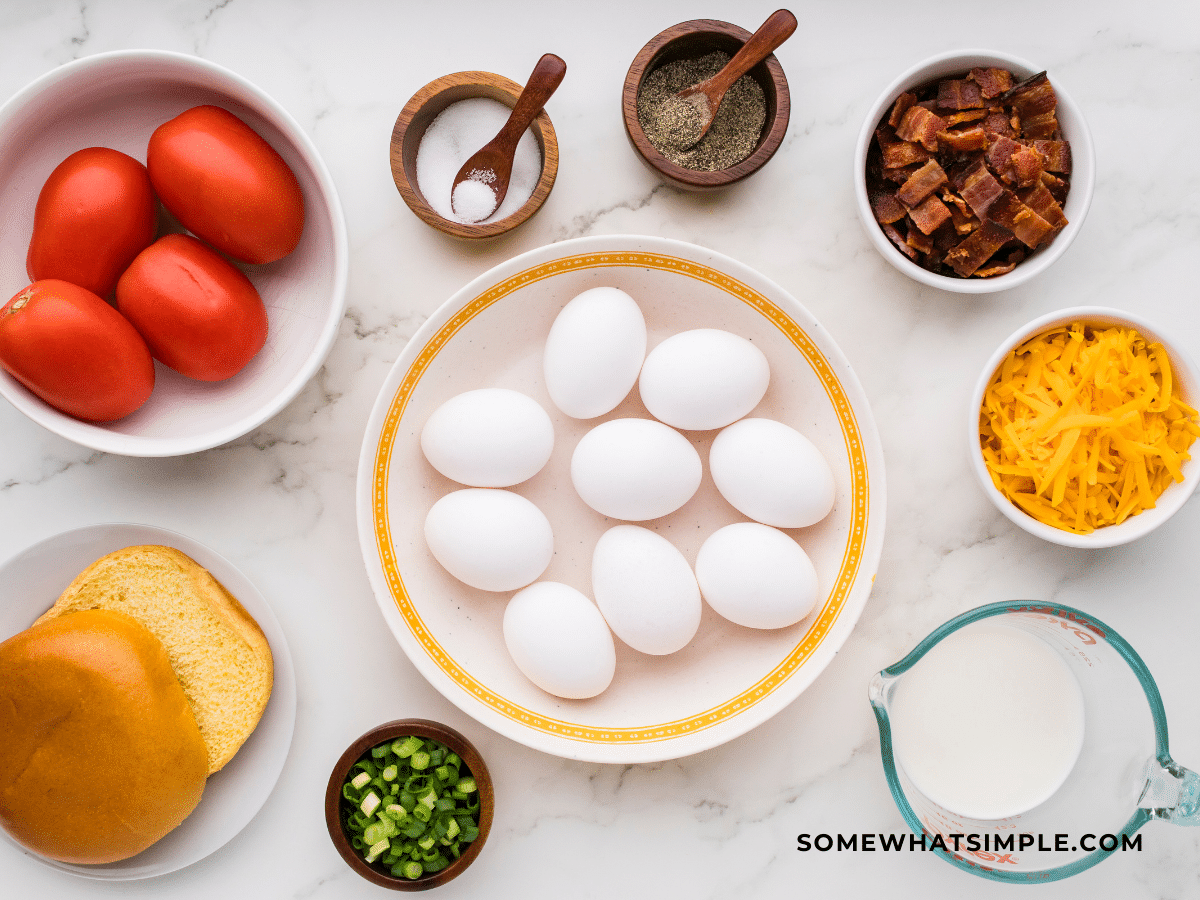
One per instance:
(780, 26)
(547, 75)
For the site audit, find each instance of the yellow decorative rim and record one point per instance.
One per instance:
(847, 571)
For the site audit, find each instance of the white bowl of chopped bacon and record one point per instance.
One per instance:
(1081, 427)
(973, 172)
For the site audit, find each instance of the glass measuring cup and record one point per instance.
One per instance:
(1124, 775)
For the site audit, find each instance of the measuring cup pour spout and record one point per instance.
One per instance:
(1172, 793)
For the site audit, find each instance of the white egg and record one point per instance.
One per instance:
(645, 589)
(594, 352)
(491, 539)
(703, 379)
(635, 469)
(492, 437)
(559, 640)
(756, 576)
(771, 473)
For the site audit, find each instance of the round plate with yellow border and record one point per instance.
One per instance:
(728, 679)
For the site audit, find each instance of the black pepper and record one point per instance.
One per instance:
(671, 124)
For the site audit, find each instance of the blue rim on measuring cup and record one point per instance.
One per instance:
(1140, 816)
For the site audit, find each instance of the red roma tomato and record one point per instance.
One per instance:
(200, 315)
(95, 213)
(226, 185)
(75, 351)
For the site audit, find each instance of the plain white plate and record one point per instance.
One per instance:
(728, 679)
(32, 580)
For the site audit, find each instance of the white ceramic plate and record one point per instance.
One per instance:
(117, 100)
(32, 580)
(728, 679)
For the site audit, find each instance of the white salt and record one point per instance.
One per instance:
(453, 137)
(474, 200)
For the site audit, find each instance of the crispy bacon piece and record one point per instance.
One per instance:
(992, 82)
(978, 248)
(900, 107)
(1034, 103)
(1057, 153)
(921, 184)
(1000, 268)
(922, 243)
(887, 208)
(1015, 163)
(1026, 166)
(1010, 213)
(980, 189)
(1057, 187)
(903, 153)
(1041, 201)
(967, 115)
(999, 154)
(898, 239)
(921, 125)
(963, 140)
(929, 215)
(902, 174)
(959, 94)
(960, 215)
(997, 121)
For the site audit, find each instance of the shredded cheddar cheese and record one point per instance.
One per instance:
(1081, 426)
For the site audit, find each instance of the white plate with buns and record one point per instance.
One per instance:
(33, 580)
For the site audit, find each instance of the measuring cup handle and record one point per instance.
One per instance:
(1172, 793)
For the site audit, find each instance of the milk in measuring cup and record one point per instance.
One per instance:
(989, 723)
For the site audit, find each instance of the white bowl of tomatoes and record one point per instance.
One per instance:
(233, 303)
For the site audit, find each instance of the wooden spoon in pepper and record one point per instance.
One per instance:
(482, 183)
(693, 109)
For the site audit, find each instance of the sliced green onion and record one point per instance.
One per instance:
(407, 808)
(412, 869)
(370, 803)
(376, 850)
(407, 747)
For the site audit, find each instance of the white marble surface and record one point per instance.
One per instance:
(279, 503)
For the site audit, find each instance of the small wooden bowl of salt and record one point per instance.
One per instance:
(454, 116)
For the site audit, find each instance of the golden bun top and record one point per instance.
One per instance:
(100, 753)
(217, 650)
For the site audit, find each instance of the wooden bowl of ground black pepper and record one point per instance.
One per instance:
(687, 44)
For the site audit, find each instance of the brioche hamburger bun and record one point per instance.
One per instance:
(217, 650)
(100, 754)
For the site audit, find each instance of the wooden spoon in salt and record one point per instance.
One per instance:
(482, 183)
(693, 109)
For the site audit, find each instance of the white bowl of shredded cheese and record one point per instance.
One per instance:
(1081, 427)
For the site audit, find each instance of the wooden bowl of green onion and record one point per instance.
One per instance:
(409, 804)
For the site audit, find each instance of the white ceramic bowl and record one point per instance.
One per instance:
(728, 679)
(1074, 128)
(1187, 381)
(117, 100)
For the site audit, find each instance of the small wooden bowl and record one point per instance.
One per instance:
(689, 40)
(424, 728)
(424, 107)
